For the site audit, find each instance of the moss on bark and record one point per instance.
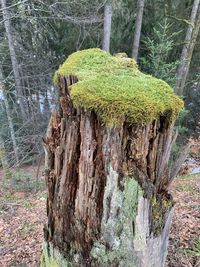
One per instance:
(51, 257)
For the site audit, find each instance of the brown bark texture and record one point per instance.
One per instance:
(89, 167)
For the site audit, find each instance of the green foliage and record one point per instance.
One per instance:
(180, 122)
(192, 118)
(123, 26)
(116, 89)
(174, 154)
(8, 196)
(196, 250)
(22, 181)
(159, 48)
(28, 204)
(185, 188)
(189, 177)
(26, 228)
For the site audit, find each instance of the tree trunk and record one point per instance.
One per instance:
(138, 26)
(108, 203)
(3, 160)
(9, 117)
(107, 26)
(187, 51)
(13, 56)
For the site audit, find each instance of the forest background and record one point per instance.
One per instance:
(37, 36)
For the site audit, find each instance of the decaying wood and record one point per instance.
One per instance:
(107, 199)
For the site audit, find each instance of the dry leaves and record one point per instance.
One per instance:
(185, 231)
(21, 233)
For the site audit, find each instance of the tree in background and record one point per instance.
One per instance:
(188, 47)
(158, 60)
(192, 119)
(107, 24)
(138, 26)
(3, 160)
(15, 64)
(43, 33)
(10, 123)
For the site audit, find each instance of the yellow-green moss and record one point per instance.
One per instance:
(159, 209)
(51, 257)
(115, 89)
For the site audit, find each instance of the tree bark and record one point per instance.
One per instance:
(9, 117)
(13, 56)
(3, 160)
(108, 203)
(187, 51)
(138, 26)
(107, 26)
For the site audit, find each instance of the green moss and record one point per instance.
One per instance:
(159, 208)
(51, 257)
(48, 263)
(115, 89)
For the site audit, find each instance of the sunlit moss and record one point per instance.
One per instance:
(116, 90)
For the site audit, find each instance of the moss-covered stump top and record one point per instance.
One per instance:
(115, 89)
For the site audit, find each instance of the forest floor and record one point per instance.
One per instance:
(22, 215)
(184, 242)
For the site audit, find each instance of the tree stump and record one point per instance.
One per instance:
(107, 165)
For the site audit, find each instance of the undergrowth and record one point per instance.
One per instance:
(22, 181)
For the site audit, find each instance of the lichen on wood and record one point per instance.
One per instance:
(117, 226)
(116, 90)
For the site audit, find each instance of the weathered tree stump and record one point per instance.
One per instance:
(107, 165)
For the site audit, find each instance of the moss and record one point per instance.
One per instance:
(51, 257)
(116, 90)
(160, 207)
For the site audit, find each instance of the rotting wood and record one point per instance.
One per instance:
(108, 203)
